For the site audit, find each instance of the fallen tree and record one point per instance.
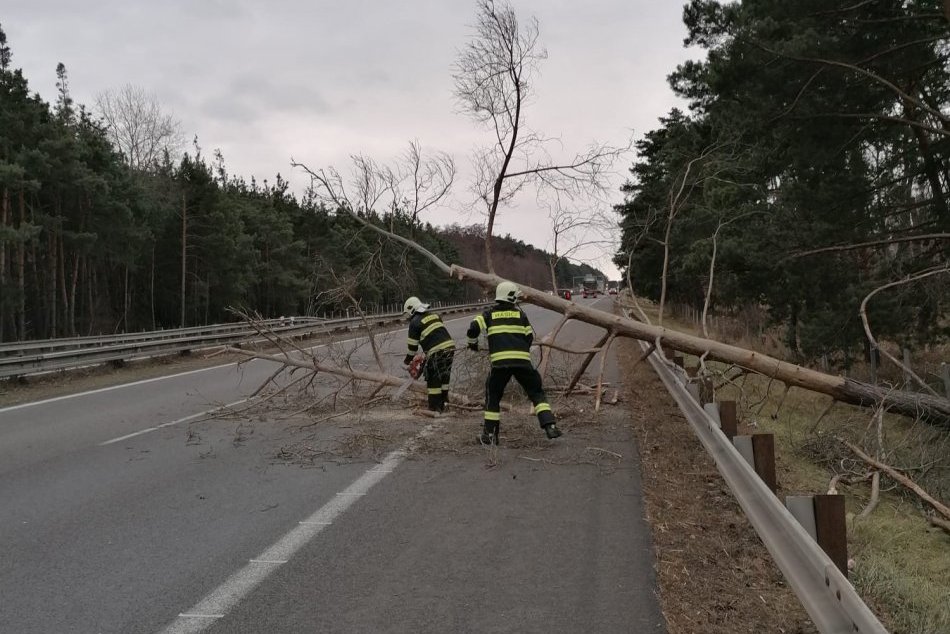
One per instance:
(926, 406)
(929, 407)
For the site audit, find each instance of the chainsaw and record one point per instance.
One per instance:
(415, 371)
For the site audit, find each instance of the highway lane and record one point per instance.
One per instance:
(126, 536)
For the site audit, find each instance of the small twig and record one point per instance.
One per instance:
(612, 453)
(823, 414)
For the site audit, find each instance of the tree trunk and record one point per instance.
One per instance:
(125, 301)
(72, 295)
(4, 209)
(932, 408)
(61, 263)
(151, 284)
(52, 308)
(21, 273)
(184, 246)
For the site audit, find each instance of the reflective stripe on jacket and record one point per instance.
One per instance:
(508, 331)
(427, 330)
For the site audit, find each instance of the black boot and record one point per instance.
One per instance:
(551, 431)
(489, 434)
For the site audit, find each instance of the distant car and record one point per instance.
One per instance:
(612, 291)
(590, 292)
(564, 292)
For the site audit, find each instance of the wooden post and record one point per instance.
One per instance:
(706, 391)
(728, 418)
(832, 530)
(763, 451)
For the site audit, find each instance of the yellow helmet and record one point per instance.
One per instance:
(507, 292)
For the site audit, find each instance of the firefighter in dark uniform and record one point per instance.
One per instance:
(427, 330)
(509, 347)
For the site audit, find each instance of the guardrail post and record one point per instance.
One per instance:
(758, 451)
(743, 445)
(712, 409)
(802, 508)
(728, 419)
(831, 529)
(763, 451)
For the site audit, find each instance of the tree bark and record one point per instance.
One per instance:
(21, 273)
(4, 209)
(932, 408)
(184, 239)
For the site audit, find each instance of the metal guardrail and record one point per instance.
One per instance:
(36, 357)
(21, 348)
(826, 594)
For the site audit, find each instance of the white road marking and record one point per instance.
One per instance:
(225, 597)
(174, 422)
(109, 389)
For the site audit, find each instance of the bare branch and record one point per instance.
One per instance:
(867, 328)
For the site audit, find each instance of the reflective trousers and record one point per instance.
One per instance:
(530, 381)
(438, 373)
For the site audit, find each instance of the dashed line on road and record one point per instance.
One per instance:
(238, 586)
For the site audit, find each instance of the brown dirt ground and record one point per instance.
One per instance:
(715, 575)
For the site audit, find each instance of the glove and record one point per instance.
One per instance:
(473, 347)
(407, 360)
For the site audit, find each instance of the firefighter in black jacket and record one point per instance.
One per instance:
(427, 330)
(509, 346)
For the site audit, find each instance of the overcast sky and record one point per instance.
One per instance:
(319, 81)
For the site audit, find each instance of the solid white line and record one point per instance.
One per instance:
(174, 422)
(109, 389)
(100, 390)
(239, 585)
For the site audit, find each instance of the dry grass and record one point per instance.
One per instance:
(901, 562)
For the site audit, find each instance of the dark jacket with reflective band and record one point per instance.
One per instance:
(509, 334)
(427, 330)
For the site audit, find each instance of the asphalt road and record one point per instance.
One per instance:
(120, 513)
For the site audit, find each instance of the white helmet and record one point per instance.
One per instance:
(413, 305)
(507, 292)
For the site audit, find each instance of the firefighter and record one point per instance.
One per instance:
(427, 330)
(509, 346)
